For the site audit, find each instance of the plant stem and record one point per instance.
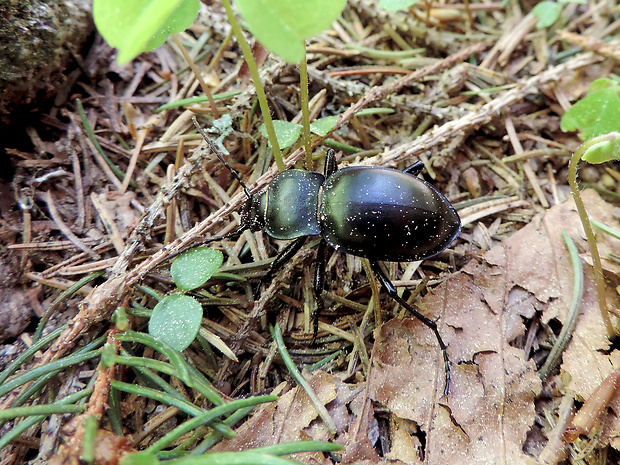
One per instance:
(573, 312)
(583, 215)
(288, 361)
(305, 113)
(260, 91)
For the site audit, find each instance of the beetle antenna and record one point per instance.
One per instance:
(231, 235)
(219, 155)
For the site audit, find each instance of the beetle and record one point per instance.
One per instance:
(381, 214)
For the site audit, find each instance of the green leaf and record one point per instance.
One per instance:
(176, 321)
(194, 268)
(283, 25)
(140, 458)
(88, 440)
(547, 13)
(108, 355)
(602, 152)
(136, 26)
(286, 133)
(396, 5)
(323, 126)
(601, 84)
(596, 114)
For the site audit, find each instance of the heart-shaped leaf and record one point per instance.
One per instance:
(176, 321)
(286, 133)
(193, 268)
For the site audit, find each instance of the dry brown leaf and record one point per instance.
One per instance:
(119, 205)
(587, 359)
(490, 407)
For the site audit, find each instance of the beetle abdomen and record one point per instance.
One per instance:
(385, 214)
(292, 204)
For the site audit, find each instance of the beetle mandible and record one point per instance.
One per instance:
(381, 214)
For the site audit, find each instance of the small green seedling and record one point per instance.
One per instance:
(597, 118)
(288, 133)
(282, 26)
(176, 318)
(597, 113)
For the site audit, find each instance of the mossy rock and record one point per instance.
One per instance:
(38, 39)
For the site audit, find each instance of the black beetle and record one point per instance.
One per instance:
(371, 212)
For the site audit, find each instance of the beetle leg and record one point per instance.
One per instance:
(391, 290)
(319, 287)
(330, 163)
(415, 169)
(287, 253)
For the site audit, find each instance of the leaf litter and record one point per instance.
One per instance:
(482, 313)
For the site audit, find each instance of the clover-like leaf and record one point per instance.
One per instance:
(281, 26)
(194, 268)
(287, 133)
(176, 321)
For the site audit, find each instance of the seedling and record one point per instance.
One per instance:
(597, 117)
(176, 318)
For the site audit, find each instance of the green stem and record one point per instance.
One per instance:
(288, 361)
(62, 298)
(583, 215)
(305, 112)
(573, 312)
(260, 91)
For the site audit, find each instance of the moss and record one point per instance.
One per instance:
(37, 41)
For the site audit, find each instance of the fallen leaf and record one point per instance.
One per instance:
(480, 313)
(490, 406)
